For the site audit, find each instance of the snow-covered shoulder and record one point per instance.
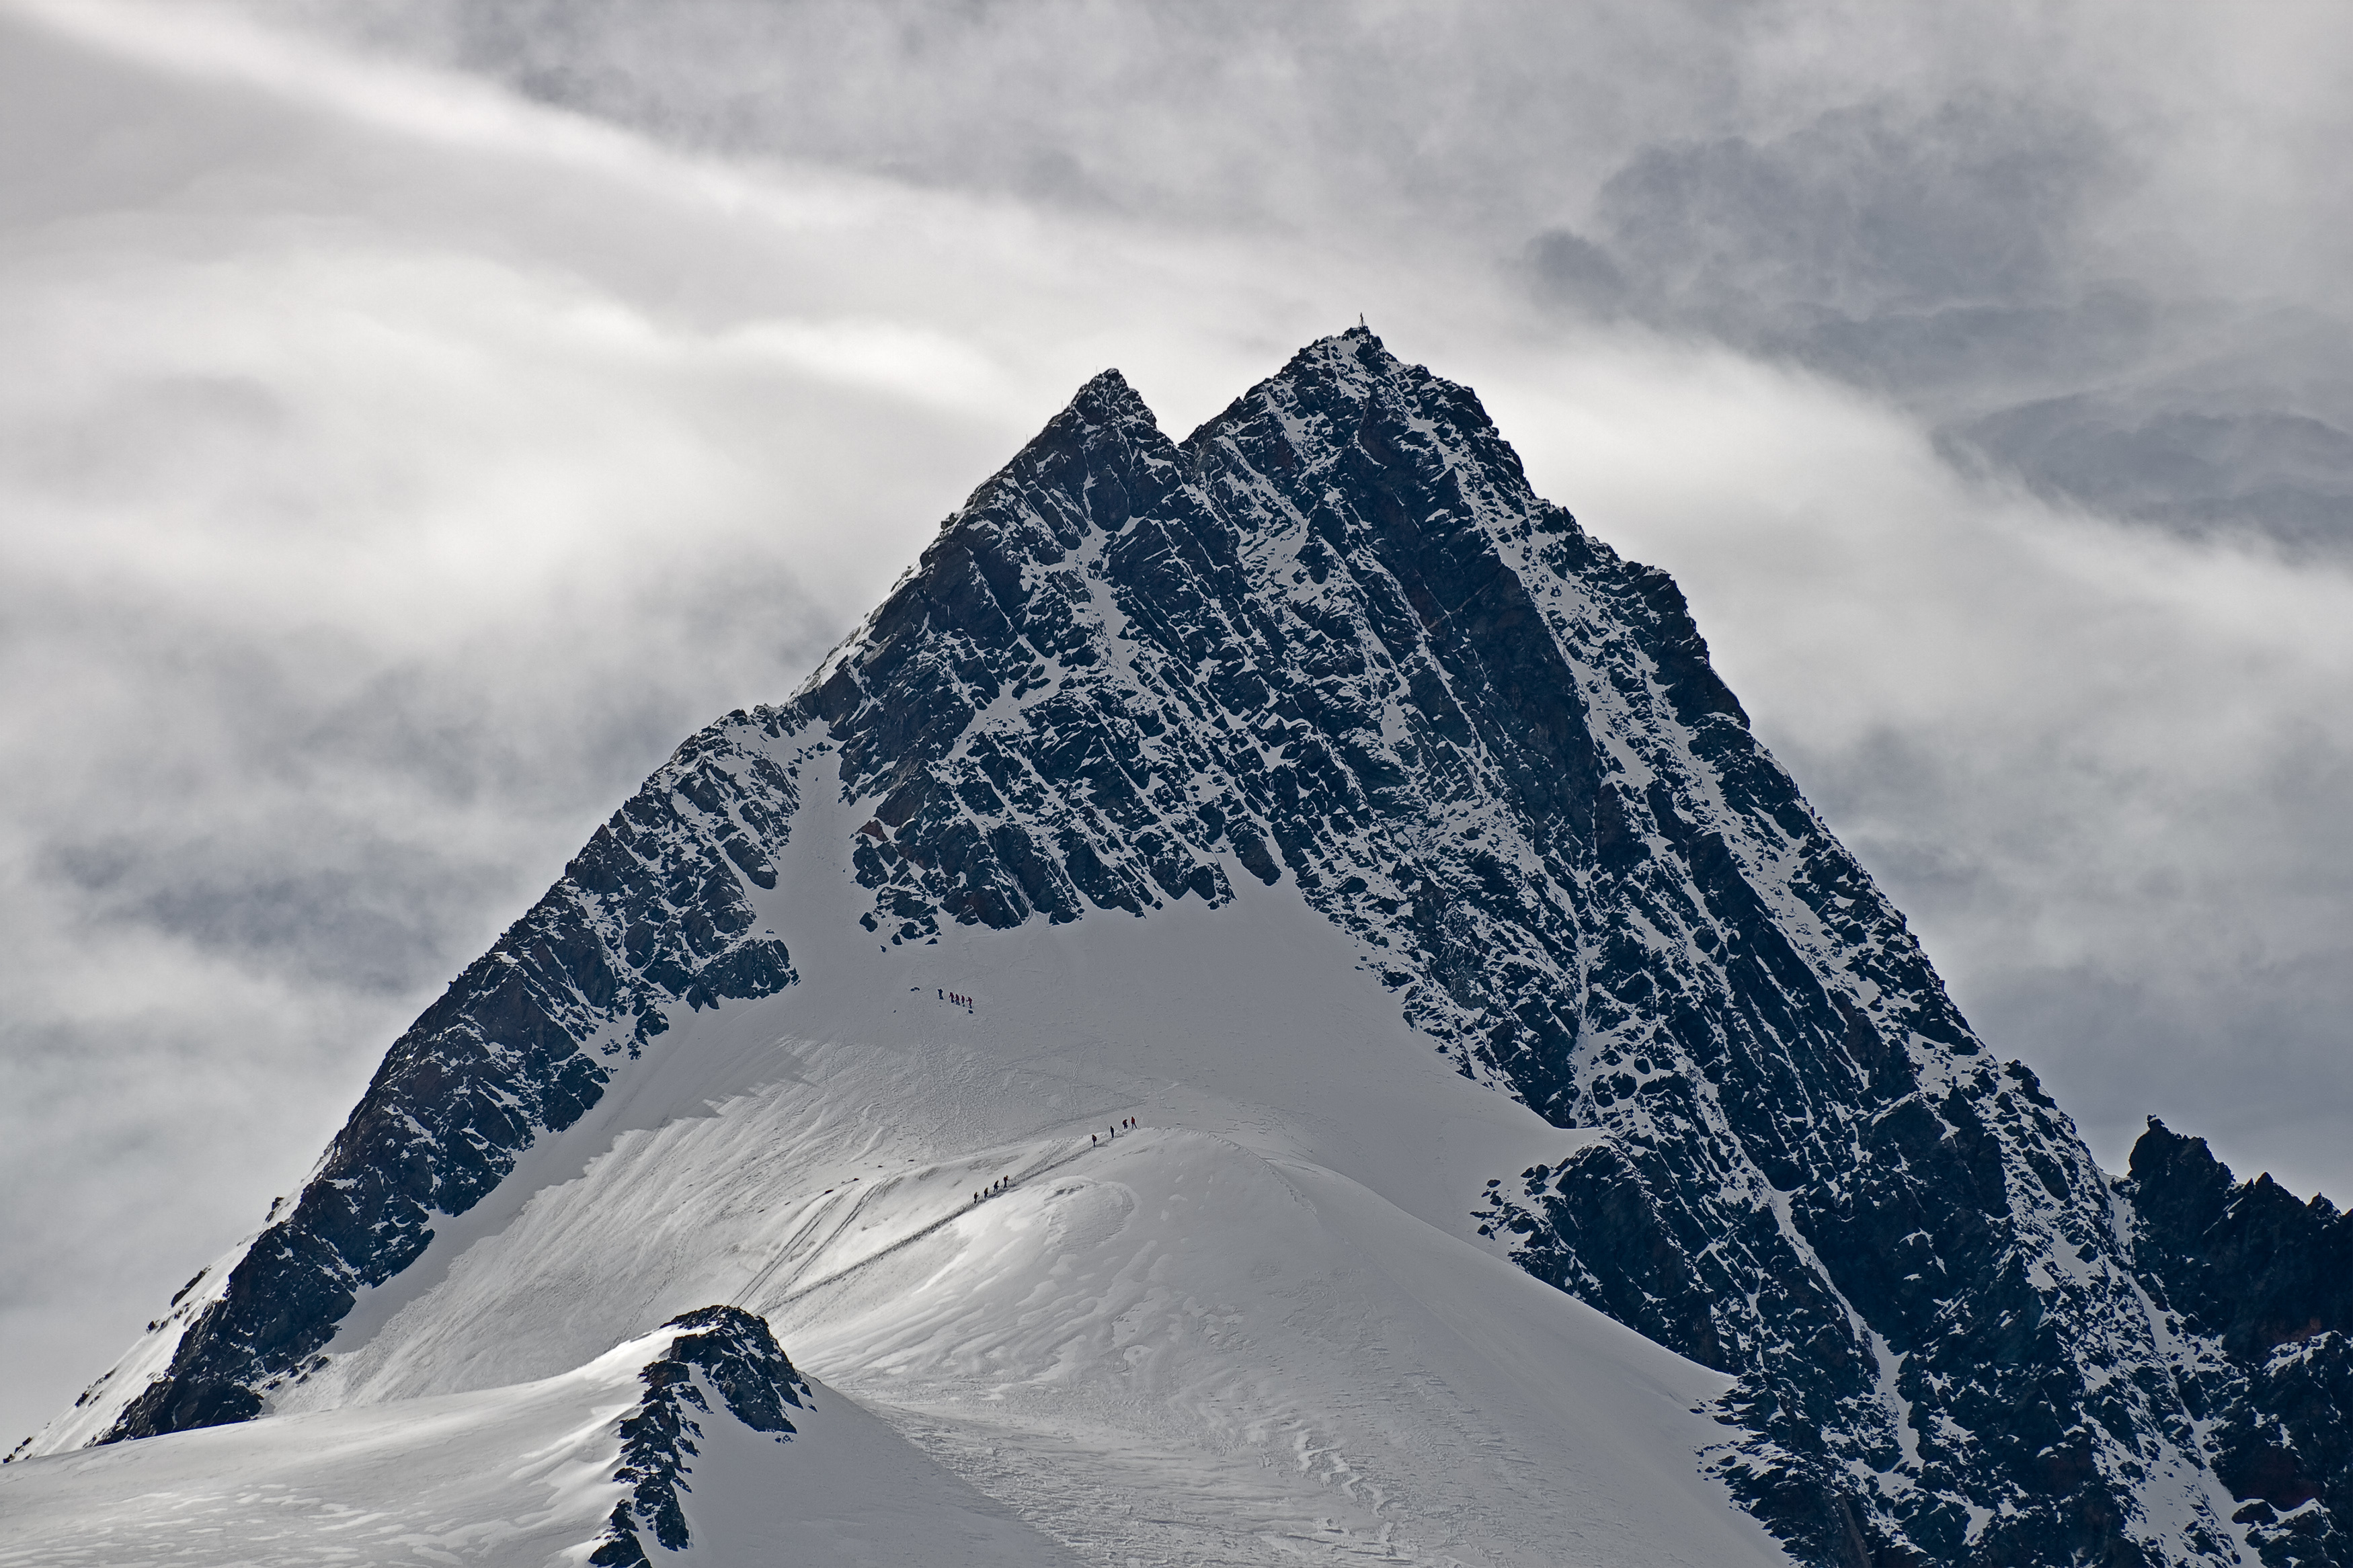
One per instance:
(701, 1430)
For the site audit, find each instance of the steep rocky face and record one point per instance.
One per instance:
(1335, 639)
(650, 916)
(2259, 1286)
(1336, 636)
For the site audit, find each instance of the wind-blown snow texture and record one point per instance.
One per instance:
(527, 1473)
(1333, 638)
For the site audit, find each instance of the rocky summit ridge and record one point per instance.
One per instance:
(1333, 639)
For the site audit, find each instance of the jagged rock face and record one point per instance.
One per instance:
(728, 1350)
(1338, 622)
(1334, 639)
(650, 916)
(2260, 1285)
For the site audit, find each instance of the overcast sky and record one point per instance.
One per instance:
(416, 418)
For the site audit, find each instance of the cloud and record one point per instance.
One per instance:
(1959, 250)
(2005, 217)
(1863, 212)
(416, 418)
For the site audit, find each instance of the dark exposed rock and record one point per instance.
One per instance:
(2251, 1264)
(728, 1350)
(2261, 1285)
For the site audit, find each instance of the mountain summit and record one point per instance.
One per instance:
(1202, 1010)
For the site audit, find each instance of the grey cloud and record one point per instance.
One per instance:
(324, 790)
(2270, 472)
(1932, 255)
(1866, 211)
(1940, 210)
(147, 428)
(2256, 441)
(1223, 112)
(381, 922)
(1948, 258)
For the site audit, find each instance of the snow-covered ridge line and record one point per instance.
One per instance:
(687, 1418)
(650, 918)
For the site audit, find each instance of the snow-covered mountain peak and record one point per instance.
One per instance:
(1232, 901)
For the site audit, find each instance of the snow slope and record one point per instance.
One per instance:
(519, 1475)
(1261, 1323)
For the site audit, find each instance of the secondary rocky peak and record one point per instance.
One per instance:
(2178, 1187)
(1107, 399)
(1105, 440)
(2258, 1284)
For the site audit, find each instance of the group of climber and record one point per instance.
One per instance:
(1094, 1141)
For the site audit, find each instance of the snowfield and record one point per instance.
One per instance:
(513, 1475)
